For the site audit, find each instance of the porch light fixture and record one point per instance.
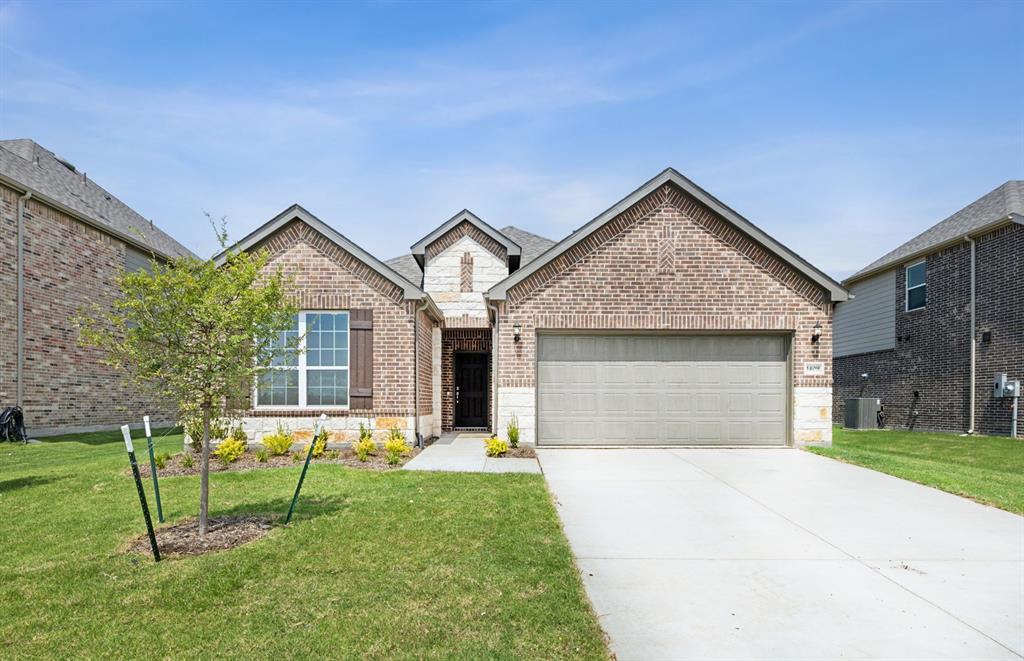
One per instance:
(517, 332)
(816, 333)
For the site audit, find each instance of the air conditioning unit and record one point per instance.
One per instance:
(862, 413)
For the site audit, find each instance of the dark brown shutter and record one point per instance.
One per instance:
(360, 391)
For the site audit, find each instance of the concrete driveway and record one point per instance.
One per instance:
(781, 554)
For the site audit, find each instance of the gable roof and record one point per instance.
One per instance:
(533, 245)
(407, 267)
(26, 165)
(1004, 204)
(669, 175)
(511, 247)
(296, 212)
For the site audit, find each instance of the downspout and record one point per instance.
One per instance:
(20, 370)
(416, 370)
(974, 338)
(495, 343)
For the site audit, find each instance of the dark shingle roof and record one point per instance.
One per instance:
(28, 164)
(532, 245)
(995, 206)
(407, 267)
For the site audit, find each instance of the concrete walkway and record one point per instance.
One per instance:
(464, 453)
(781, 554)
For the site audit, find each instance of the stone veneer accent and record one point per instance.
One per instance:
(444, 278)
(68, 265)
(342, 429)
(719, 281)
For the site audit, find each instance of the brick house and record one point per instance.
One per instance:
(922, 314)
(668, 319)
(66, 239)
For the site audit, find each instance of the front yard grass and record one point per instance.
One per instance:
(988, 469)
(374, 565)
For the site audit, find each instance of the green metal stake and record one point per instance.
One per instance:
(152, 470)
(302, 475)
(127, 433)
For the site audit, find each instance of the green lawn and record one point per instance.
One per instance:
(989, 469)
(375, 565)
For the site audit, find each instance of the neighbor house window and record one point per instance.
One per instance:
(317, 374)
(917, 288)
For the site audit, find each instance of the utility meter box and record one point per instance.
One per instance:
(862, 413)
(1005, 388)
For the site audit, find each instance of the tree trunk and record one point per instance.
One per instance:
(204, 474)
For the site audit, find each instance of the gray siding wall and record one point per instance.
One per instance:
(868, 321)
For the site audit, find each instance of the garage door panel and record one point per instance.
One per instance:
(646, 404)
(662, 389)
(739, 404)
(708, 374)
(678, 402)
(678, 373)
(613, 404)
(769, 375)
(679, 430)
(770, 404)
(708, 403)
(738, 375)
(741, 432)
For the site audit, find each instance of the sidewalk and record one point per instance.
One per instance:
(464, 453)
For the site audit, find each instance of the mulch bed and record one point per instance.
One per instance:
(522, 452)
(248, 461)
(183, 539)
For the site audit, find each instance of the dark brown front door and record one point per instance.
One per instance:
(471, 390)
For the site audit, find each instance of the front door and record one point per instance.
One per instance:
(471, 390)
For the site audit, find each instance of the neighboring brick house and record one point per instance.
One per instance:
(908, 327)
(65, 240)
(669, 319)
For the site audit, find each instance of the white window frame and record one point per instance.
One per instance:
(907, 288)
(302, 369)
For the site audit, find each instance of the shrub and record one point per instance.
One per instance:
(262, 455)
(395, 447)
(279, 442)
(496, 447)
(298, 456)
(192, 424)
(238, 434)
(161, 460)
(320, 443)
(364, 447)
(513, 431)
(230, 450)
(188, 460)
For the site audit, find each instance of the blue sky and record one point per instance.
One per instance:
(841, 129)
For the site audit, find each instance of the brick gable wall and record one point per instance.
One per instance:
(325, 277)
(68, 266)
(465, 228)
(932, 354)
(718, 281)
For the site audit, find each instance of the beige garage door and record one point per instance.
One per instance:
(662, 390)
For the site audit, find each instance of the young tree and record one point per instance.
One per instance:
(195, 333)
